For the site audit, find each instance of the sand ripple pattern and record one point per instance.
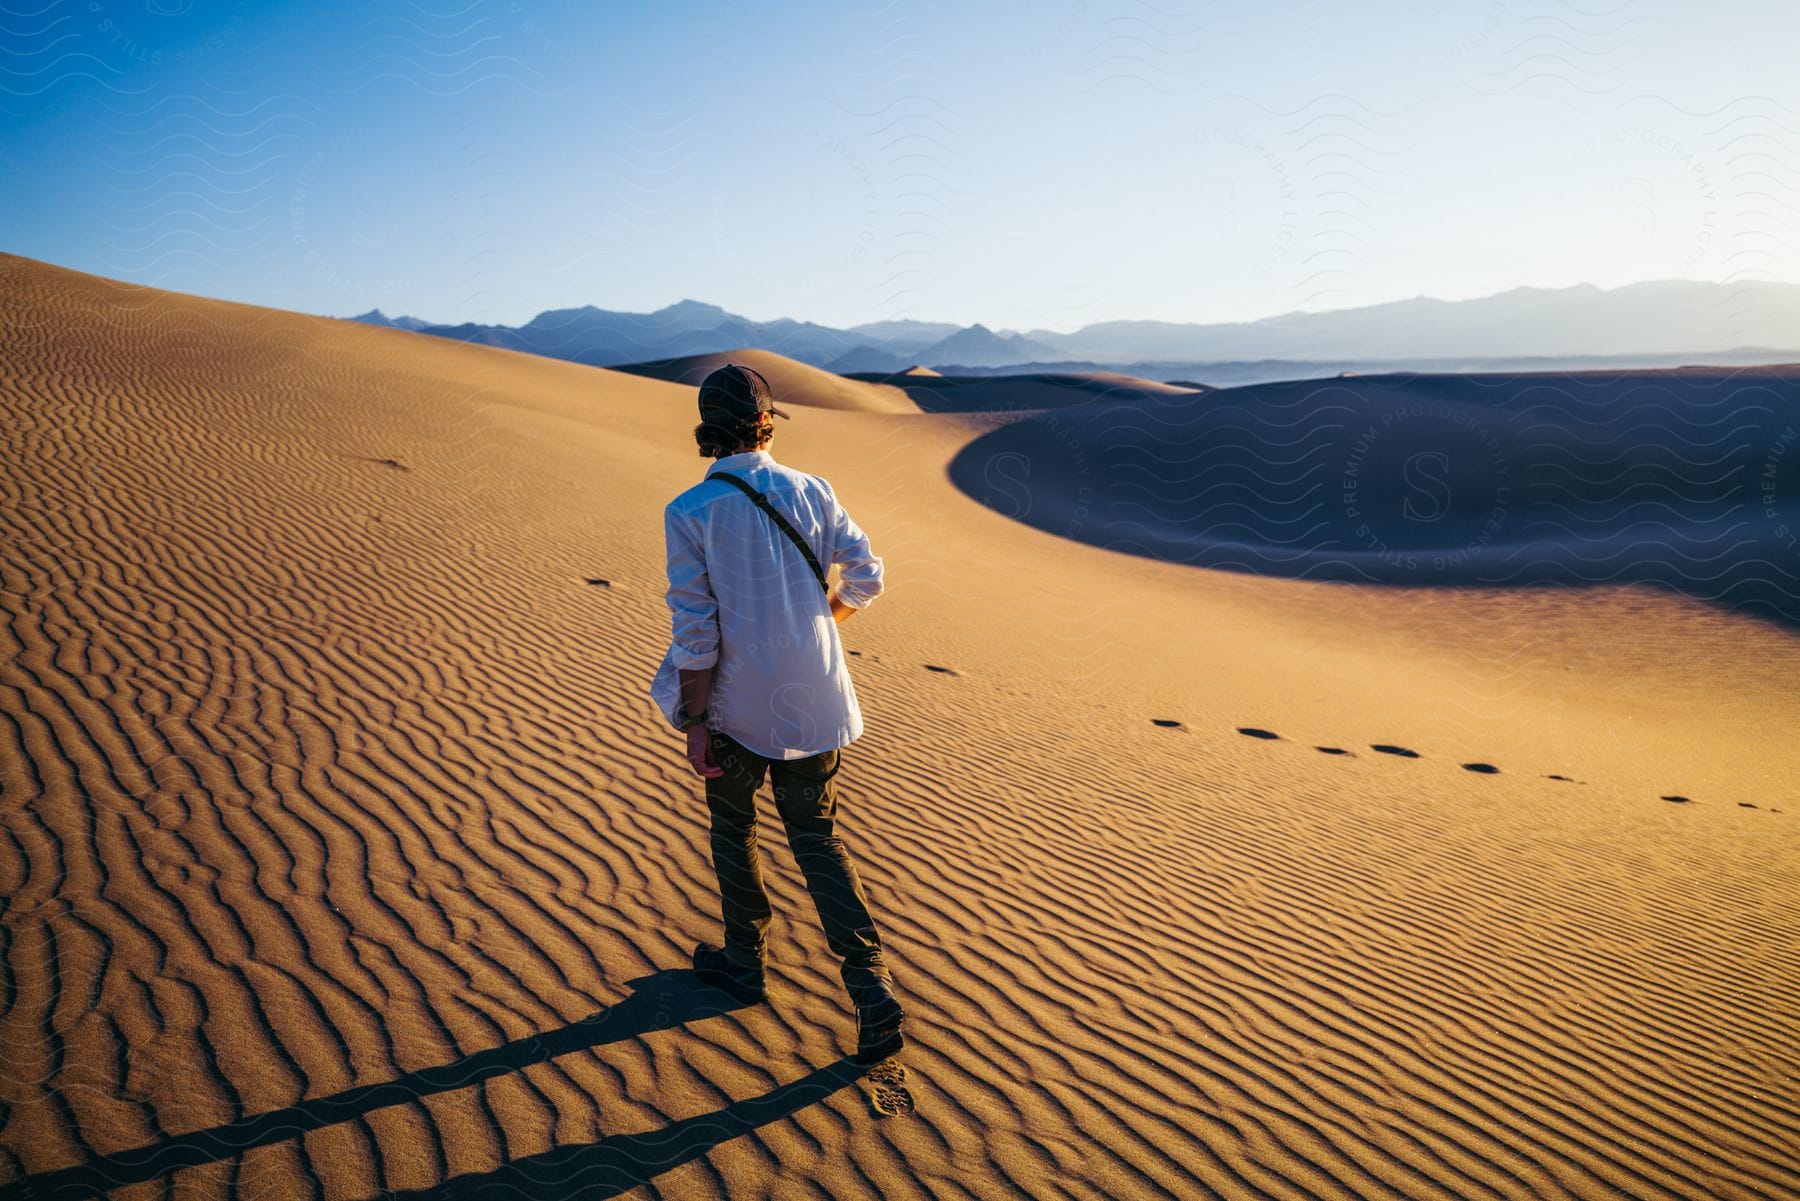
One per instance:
(341, 855)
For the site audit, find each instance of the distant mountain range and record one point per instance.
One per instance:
(1650, 324)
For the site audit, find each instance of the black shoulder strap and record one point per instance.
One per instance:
(762, 502)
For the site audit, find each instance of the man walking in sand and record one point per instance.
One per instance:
(756, 677)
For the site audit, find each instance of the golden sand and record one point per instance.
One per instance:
(342, 850)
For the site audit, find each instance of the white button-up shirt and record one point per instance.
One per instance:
(742, 597)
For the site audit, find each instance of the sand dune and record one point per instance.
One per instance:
(1687, 478)
(936, 393)
(344, 853)
(798, 381)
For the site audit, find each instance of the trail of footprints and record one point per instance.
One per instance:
(1384, 748)
(1401, 752)
(888, 1095)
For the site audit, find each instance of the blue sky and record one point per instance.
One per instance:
(1022, 164)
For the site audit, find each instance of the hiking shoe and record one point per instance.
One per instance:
(714, 967)
(878, 1022)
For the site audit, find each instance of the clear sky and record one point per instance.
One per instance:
(1022, 163)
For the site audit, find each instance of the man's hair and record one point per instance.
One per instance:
(718, 440)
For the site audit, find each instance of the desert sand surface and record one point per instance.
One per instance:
(933, 392)
(787, 376)
(344, 854)
(1689, 478)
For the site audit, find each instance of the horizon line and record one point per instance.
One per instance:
(1638, 283)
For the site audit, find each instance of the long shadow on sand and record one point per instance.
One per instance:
(616, 1165)
(611, 1166)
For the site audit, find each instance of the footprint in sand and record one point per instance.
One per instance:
(888, 1094)
(1745, 805)
(935, 667)
(1386, 748)
(1165, 722)
(601, 583)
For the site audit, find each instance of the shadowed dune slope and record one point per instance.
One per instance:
(936, 393)
(1688, 478)
(792, 380)
(342, 853)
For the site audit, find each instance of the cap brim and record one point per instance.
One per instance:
(778, 412)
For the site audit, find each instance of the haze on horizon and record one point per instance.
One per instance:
(1023, 166)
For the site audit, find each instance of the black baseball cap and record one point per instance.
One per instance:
(734, 393)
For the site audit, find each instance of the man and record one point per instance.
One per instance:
(756, 677)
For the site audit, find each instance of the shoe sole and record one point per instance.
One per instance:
(732, 989)
(885, 1040)
(889, 1046)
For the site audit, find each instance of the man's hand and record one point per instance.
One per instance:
(699, 752)
(840, 612)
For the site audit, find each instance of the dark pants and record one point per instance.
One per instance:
(806, 798)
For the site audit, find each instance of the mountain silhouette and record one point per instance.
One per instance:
(1660, 323)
